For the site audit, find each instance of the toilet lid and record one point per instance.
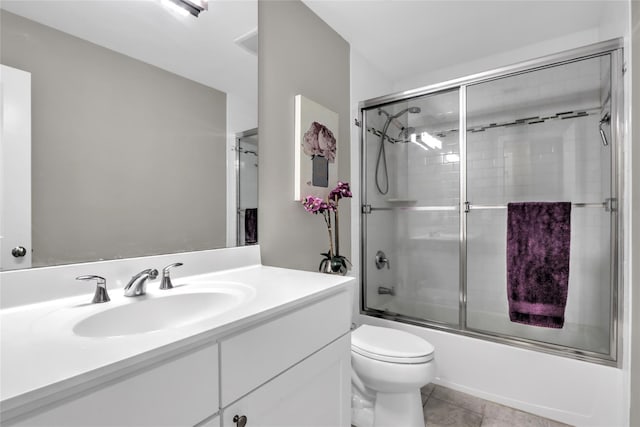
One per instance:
(390, 345)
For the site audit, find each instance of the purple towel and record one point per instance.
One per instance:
(538, 241)
(251, 226)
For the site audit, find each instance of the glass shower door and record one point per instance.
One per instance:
(535, 137)
(411, 219)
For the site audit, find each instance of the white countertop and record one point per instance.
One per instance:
(41, 359)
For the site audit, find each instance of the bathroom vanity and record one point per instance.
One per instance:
(275, 351)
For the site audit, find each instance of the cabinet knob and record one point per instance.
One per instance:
(240, 420)
(19, 251)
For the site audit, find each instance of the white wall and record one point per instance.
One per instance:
(491, 62)
(299, 54)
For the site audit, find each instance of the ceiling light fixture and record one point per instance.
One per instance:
(193, 7)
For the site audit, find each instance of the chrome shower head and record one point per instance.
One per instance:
(412, 110)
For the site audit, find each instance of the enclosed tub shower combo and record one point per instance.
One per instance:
(490, 204)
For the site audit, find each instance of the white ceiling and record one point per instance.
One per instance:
(201, 49)
(404, 38)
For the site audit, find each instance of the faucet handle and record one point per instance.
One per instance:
(101, 294)
(382, 260)
(166, 278)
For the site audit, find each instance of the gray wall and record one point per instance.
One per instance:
(299, 54)
(635, 216)
(128, 159)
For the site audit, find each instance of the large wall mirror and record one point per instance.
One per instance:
(134, 110)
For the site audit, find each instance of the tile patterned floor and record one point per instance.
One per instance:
(446, 407)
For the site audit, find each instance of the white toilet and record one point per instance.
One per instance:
(388, 368)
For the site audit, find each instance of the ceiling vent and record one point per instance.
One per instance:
(249, 41)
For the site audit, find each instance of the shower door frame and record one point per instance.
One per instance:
(612, 47)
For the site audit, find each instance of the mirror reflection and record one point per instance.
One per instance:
(134, 111)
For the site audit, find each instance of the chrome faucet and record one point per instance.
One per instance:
(138, 284)
(383, 290)
(166, 278)
(101, 294)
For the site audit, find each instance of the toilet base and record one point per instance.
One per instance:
(361, 408)
(398, 409)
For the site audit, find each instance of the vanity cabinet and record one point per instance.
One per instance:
(292, 371)
(180, 392)
(315, 392)
(287, 368)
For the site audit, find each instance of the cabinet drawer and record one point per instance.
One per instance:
(251, 358)
(180, 392)
(316, 392)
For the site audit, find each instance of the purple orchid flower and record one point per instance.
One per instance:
(312, 204)
(342, 190)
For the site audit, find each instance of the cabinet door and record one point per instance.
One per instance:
(180, 392)
(257, 355)
(315, 392)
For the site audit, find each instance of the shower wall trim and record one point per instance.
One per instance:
(613, 47)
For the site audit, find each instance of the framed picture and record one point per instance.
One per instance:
(316, 149)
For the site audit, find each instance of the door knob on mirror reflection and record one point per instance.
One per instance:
(19, 251)
(240, 420)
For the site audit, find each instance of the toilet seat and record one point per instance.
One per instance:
(390, 345)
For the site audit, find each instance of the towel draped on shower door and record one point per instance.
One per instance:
(538, 241)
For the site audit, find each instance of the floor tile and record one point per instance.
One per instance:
(439, 413)
(492, 422)
(457, 398)
(426, 392)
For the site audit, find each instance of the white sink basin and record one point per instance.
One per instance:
(155, 314)
(186, 305)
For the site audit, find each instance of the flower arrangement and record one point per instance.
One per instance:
(333, 262)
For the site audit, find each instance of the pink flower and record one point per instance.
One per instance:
(312, 204)
(342, 190)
